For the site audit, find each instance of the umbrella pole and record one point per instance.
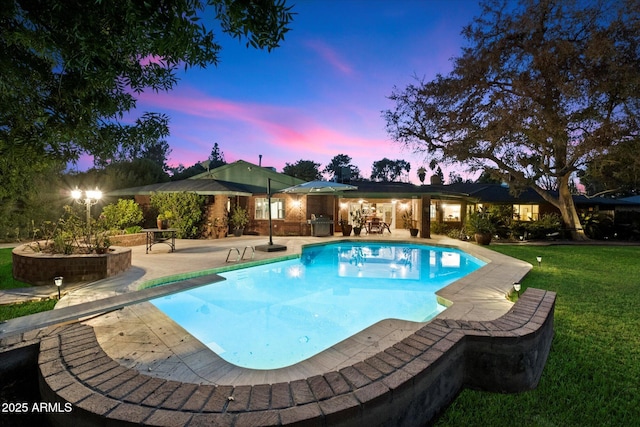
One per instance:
(270, 247)
(269, 203)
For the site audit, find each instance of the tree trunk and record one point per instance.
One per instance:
(568, 211)
(567, 208)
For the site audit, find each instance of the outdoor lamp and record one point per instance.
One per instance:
(516, 287)
(58, 281)
(539, 258)
(91, 197)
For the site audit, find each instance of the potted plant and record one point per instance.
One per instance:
(346, 227)
(409, 222)
(357, 218)
(479, 224)
(239, 219)
(163, 220)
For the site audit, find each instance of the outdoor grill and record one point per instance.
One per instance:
(320, 226)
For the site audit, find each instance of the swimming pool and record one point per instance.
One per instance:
(278, 314)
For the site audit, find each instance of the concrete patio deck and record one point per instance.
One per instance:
(133, 336)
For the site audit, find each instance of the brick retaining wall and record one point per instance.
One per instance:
(39, 268)
(407, 384)
(136, 239)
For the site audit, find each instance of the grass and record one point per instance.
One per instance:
(8, 282)
(592, 375)
(12, 311)
(6, 275)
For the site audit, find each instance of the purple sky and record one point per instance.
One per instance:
(322, 92)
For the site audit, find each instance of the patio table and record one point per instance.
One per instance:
(157, 235)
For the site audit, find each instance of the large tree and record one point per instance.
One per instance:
(303, 169)
(216, 158)
(341, 169)
(387, 170)
(70, 72)
(542, 88)
(615, 174)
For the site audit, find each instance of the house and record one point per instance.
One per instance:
(236, 184)
(245, 184)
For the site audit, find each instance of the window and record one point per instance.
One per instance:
(277, 208)
(526, 212)
(450, 212)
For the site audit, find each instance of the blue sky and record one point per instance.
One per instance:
(322, 92)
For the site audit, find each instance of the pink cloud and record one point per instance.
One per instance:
(282, 134)
(331, 56)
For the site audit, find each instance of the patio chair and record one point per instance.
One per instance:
(375, 226)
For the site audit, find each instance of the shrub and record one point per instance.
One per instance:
(186, 211)
(480, 222)
(598, 225)
(133, 229)
(502, 218)
(239, 217)
(61, 237)
(440, 228)
(457, 233)
(547, 224)
(125, 213)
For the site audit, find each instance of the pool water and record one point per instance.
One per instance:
(278, 314)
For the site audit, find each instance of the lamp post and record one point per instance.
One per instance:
(58, 281)
(516, 287)
(91, 197)
(539, 259)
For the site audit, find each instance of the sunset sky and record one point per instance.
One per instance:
(322, 92)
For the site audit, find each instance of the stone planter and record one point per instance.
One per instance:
(39, 268)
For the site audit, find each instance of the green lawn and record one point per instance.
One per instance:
(12, 311)
(592, 376)
(6, 276)
(8, 282)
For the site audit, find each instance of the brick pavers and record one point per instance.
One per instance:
(405, 384)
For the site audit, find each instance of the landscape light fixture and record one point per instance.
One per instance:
(58, 281)
(539, 258)
(91, 197)
(517, 287)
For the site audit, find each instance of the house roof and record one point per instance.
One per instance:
(199, 186)
(370, 189)
(632, 199)
(250, 176)
(235, 179)
(242, 178)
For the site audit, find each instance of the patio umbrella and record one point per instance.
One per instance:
(318, 187)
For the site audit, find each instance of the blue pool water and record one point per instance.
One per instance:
(275, 315)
